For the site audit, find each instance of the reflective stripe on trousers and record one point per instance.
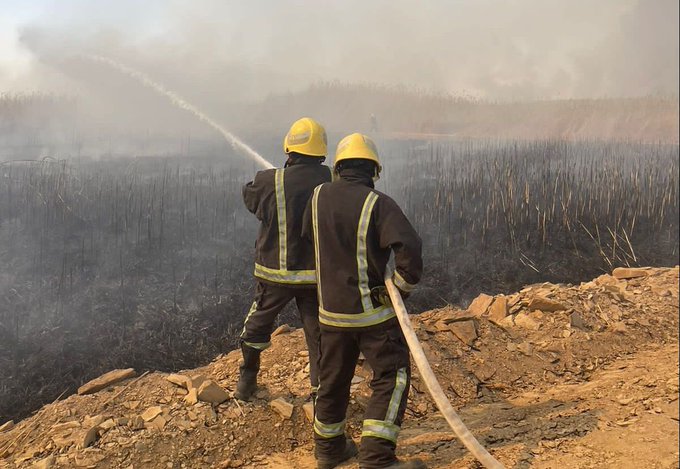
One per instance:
(329, 430)
(387, 429)
(255, 345)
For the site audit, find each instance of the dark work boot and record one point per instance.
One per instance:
(247, 383)
(349, 452)
(412, 464)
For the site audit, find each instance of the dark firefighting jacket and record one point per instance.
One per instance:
(353, 228)
(278, 198)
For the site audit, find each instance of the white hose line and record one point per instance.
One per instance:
(433, 386)
(181, 103)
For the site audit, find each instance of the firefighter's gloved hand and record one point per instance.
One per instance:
(380, 295)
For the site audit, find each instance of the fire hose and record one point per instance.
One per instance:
(433, 386)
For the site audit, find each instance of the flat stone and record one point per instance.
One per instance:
(158, 423)
(93, 421)
(89, 459)
(151, 413)
(212, 393)
(182, 424)
(629, 272)
(526, 348)
(7, 426)
(195, 381)
(61, 427)
(136, 423)
(179, 380)
(45, 463)
(619, 327)
(308, 409)
(89, 437)
(107, 424)
(508, 322)
(523, 320)
(480, 304)
(466, 331)
(536, 315)
(498, 310)
(282, 407)
(541, 303)
(576, 321)
(618, 291)
(662, 292)
(192, 397)
(441, 326)
(105, 380)
(282, 329)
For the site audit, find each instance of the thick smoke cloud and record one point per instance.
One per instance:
(212, 50)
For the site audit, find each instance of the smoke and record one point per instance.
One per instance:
(216, 52)
(180, 103)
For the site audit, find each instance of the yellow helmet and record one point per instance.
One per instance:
(307, 137)
(357, 146)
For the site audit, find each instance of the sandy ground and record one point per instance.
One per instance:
(569, 376)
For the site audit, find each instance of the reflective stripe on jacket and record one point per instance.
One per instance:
(354, 228)
(278, 198)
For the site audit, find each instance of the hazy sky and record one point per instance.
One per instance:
(499, 49)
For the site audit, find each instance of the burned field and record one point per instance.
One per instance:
(147, 262)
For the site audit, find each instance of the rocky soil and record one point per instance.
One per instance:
(552, 376)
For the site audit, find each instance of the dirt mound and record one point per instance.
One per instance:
(554, 375)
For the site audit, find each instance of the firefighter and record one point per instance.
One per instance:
(284, 261)
(354, 229)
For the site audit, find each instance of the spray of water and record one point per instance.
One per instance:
(181, 103)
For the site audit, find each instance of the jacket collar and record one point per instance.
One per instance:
(357, 177)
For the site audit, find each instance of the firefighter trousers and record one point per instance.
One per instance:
(269, 302)
(386, 352)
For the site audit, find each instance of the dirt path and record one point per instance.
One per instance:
(626, 417)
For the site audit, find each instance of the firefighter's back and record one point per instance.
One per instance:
(349, 259)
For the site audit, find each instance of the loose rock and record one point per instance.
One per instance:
(179, 380)
(523, 320)
(106, 380)
(195, 381)
(466, 331)
(282, 407)
(282, 329)
(498, 310)
(546, 305)
(628, 272)
(576, 321)
(308, 409)
(480, 304)
(89, 437)
(7, 426)
(46, 463)
(151, 413)
(192, 397)
(211, 392)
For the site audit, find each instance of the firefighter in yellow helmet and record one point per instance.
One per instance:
(354, 229)
(284, 262)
